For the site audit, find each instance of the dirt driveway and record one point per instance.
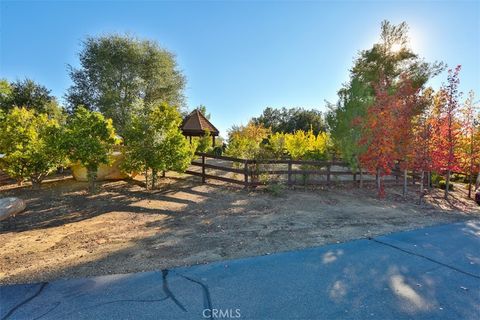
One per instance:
(66, 233)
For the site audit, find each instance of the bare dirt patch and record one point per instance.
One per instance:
(67, 233)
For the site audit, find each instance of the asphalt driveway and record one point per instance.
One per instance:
(430, 273)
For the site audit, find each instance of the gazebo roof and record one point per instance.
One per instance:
(196, 124)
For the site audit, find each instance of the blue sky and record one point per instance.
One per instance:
(240, 57)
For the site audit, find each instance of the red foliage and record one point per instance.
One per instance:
(386, 129)
(445, 126)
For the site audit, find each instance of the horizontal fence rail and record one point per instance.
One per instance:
(252, 173)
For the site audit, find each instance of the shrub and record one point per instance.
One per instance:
(205, 143)
(32, 145)
(458, 177)
(436, 178)
(89, 139)
(154, 141)
(307, 145)
(275, 189)
(246, 141)
(218, 151)
(276, 143)
(442, 184)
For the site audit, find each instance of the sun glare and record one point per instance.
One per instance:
(396, 47)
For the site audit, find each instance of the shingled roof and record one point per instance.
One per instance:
(195, 124)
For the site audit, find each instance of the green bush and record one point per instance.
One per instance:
(442, 184)
(89, 140)
(31, 143)
(458, 177)
(205, 143)
(436, 178)
(275, 189)
(218, 151)
(155, 143)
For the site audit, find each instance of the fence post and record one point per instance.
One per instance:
(245, 173)
(328, 174)
(289, 172)
(203, 168)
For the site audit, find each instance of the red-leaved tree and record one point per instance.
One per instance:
(408, 107)
(469, 151)
(446, 128)
(386, 129)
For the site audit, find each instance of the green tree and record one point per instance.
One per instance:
(155, 143)
(203, 110)
(246, 141)
(31, 144)
(276, 144)
(5, 91)
(388, 59)
(205, 143)
(30, 95)
(117, 70)
(343, 120)
(307, 145)
(89, 139)
(291, 120)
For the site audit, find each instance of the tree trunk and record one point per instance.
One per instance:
(429, 180)
(92, 177)
(447, 184)
(154, 178)
(163, 173)
(37, 179)
(405, 178)
(361, 178)
(421, 186)
(396, 175)
(470, 179)
(146, 179)
(477, 184)
(36, 183)
(379, 183)
(470, 183)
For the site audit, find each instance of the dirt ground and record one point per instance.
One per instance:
(67, 233)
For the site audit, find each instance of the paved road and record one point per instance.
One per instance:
(431, 273)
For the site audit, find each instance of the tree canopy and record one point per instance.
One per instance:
(116, 71)
(390, 60)
(89, 139)
(244, 141)
(156, 143)
(30, 95)
(290, 120)
(31, 144)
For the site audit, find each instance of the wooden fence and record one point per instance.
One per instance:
(252, 173)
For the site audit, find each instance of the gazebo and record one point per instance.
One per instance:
(196, 125)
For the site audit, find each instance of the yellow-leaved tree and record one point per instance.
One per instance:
(307, 145)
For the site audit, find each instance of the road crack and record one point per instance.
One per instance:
(427, 258)
(24, 302)
(207, 301)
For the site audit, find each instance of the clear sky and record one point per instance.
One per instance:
(240, 57)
